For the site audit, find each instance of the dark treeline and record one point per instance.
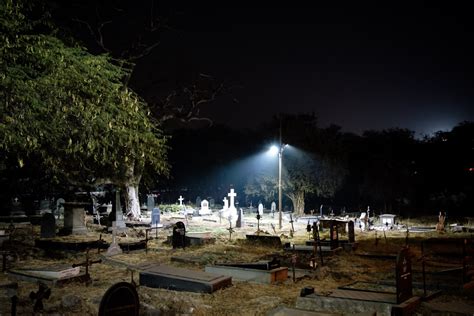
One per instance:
(389, 170)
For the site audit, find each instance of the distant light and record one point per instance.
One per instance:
(471, 169)
(273, 150)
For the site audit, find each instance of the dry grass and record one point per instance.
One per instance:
(241, 298)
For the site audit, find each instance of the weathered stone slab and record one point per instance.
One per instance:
(178, 279)
(325, 249)
(251, 275)
(259, 265)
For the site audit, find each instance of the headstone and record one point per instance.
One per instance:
(334, 235)
(260, 209)
(226, 204)
(60, 208)
(155, 216)
(117, 214)
(120, 299)
(45, 206)
(273, 207)
(180, 200)
(351, 232)
(205, 208)
(198, 201)
(212, 203)
(240, 219)
(441, 220)
(321, 211)
(232, 209)
(150, 202)
(48, 226)
(74, 218)
(179, 235)
(363, 221)
(16, 208)
(114, 247)
(403, 276)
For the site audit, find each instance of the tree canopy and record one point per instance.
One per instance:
(70, 108)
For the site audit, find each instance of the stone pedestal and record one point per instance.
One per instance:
(74, 218)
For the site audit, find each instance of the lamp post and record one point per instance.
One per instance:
(280, 151)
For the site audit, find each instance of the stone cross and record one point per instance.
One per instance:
(232, 195)
(180, 200)
(44, 292)
(226, 203)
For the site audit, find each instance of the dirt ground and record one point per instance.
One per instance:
(242, 298)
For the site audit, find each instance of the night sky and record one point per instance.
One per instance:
(360, 67)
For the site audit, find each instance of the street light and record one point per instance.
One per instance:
(273, 150)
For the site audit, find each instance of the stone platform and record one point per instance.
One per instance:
(178, 279)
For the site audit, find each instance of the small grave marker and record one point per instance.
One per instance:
(120, 299)
(351, 231)
(292, 231)
(44, 292)
(87, 264)
(114, 247)
(179, 235)
(403, 276)
(155, 216)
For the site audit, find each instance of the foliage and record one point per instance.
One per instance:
(70, 108)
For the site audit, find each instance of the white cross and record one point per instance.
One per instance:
(180, 200)
(232, 194)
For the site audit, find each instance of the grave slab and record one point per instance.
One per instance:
(268, 240)
(288, 311)
(458, 308)
(251, 275)
(178, 279)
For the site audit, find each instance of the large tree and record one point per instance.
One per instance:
(72, 110)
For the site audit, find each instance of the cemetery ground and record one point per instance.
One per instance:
(372, 260)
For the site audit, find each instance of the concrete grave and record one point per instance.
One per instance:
(120, 299)
(359, 301)
(272, 276)
(178, 279)
(155, 217)
(268, 240)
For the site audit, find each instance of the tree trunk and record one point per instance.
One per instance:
(132, 203)
(297, 198)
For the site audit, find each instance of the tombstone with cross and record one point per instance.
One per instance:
(180, 201)
(44, 292)
(232, 208)
(87, 264)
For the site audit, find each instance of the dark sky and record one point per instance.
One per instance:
(358, 67)
(361, 66)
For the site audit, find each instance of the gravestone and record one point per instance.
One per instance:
(59, 211)
(212, 203)
(179, 235)
(351, 232)
(273, 208)
(226, 204)
(363, 221)
(403, 276)
(334, 235)
(120, 299)
(387, 219)
(155, 216)
(48, 226)
(114, 247)
(16, 209)
(240, 219)
(180, 200)
(205, 208)
(198, 201)
(232, 209)
(150, 202)
(74, 218)
(260, 209)
(44, 206)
